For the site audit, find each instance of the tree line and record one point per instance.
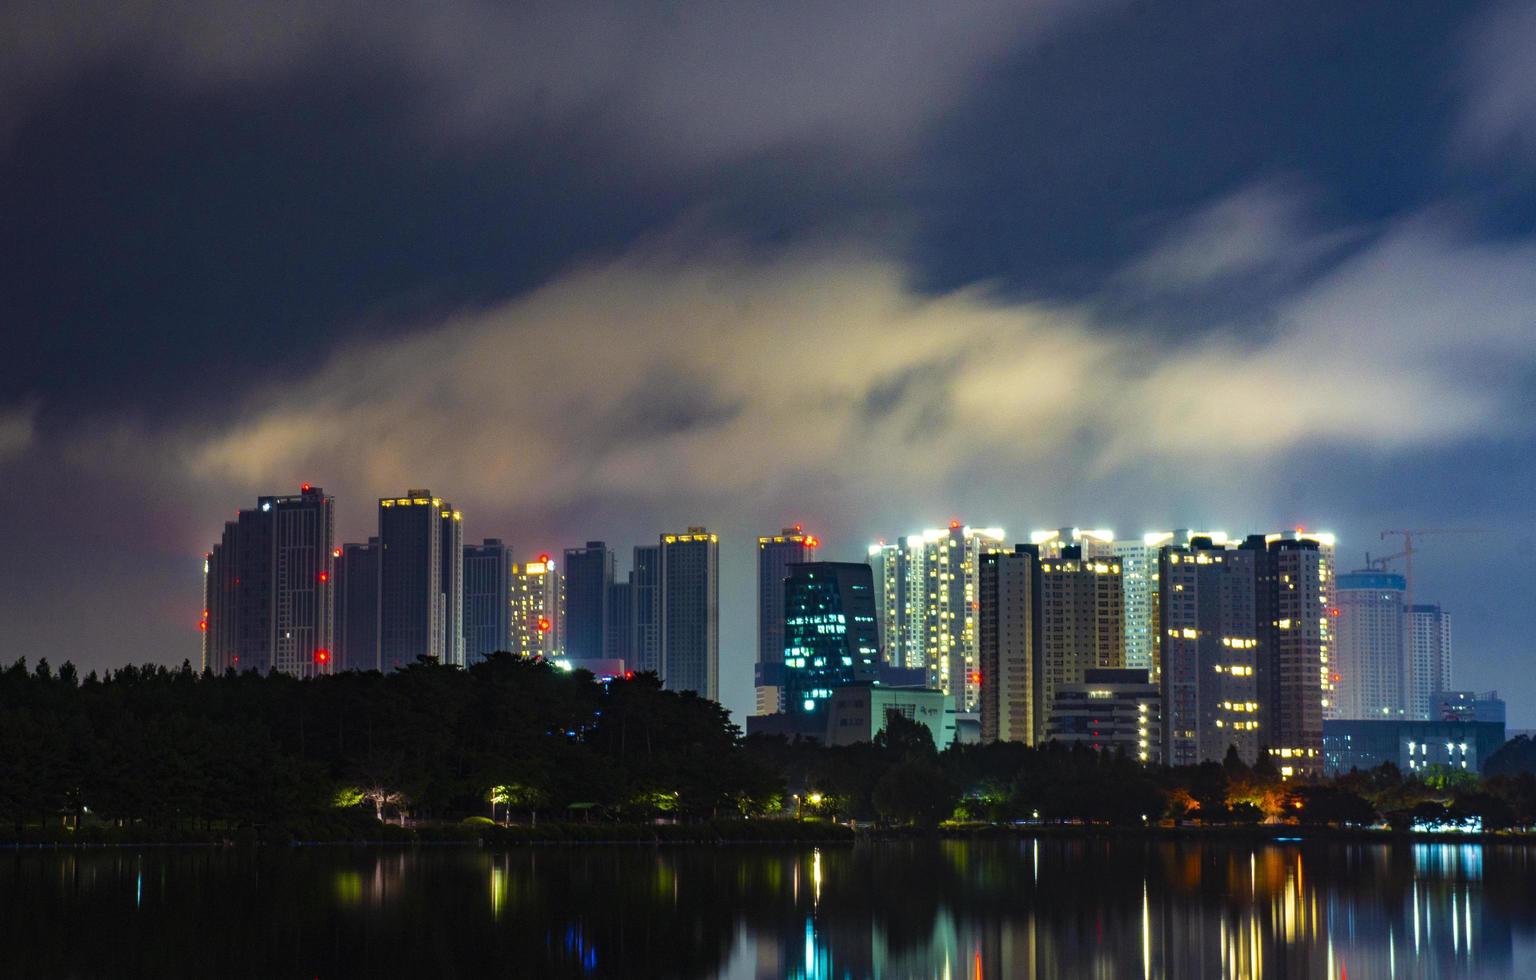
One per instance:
(160, 751)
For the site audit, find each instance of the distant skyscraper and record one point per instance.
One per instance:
(268, 589)
(420, 580)
(1369, 653)
(1429, 659)
(1209, 617)
(588, 579)
(1082, 624)
(775, 553)
(1008, 634)
(928, 591)
(537, 608)
(901, 601)
(487, 599)
(831, 639)
(357, 606)
(645, 595)
(451, 527)
(1246, 647)
(621, 621)
(1296, 599)
(690, 612)
(1138, 564)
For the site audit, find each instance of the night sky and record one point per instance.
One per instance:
(866, 266)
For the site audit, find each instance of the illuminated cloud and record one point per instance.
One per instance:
(1263, 230)
(727, 380)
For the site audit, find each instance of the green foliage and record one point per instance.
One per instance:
(158, 749)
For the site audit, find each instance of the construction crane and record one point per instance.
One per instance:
(1407, 553)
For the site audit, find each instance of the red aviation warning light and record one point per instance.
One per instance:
(544, 625)
(305, 488)
(811, 541)
(322, 656)
(325, 576)
(954, 525)
(335, 552)
(544, 558)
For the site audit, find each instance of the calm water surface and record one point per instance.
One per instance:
(938, 909)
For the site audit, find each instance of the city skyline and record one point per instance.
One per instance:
(1099, 545)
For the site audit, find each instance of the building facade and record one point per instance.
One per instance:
(268, 593)
(775, 554)
(588, 584)
(1008, 636)
(1110, 711)
(421, 590)
(1428, 638)
(1208, 612)
(621, 621)
(690, 612)
(831, 639)
(538, 601)
(1421, 747)
(357, 606)
(1369, 662)
(645, 599)
(928, 599)
(1082, 624)
(859, 712)
(1294, 666)
(487, 599)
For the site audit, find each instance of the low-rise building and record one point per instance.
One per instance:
(1110, 710)
(1412, 746)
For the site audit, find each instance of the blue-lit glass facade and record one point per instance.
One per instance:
(831, 638)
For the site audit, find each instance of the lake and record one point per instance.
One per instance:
(1044, 908)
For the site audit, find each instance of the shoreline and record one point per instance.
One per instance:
(803, 834)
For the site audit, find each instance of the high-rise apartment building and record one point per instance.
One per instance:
(901, 601)
(357, 606)
(421, 590)
(487, 599)
(1246, 649)
(450, 524)
(268, 589)
(1208, 612)
(831, 639)
(1082, 624)
(690, 612)
(621, 622)
(775, 554)
(1428, 641)
(537, 608)
(928, 587)
(588, 581)
(1139, 575)
(645, 599)
(1008, 636)
(1369, 653)
(1296, 599)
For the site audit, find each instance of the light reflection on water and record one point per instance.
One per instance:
(1028, 908)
